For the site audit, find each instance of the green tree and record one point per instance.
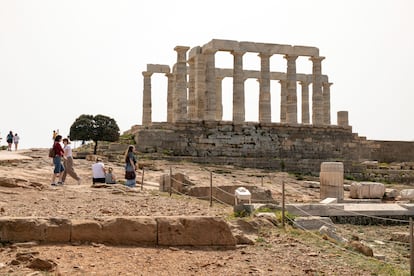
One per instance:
(95, 128)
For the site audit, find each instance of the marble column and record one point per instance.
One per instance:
(210, 95)
(343, 118)
(283, 100)
(192, 107)
(200, 85)
(292, 102)
(326, 94)
(305, 102)
(317, 100)
(146, 99)
(219, 102)
(238, 87)
(265, 114)
(170, 91)
(180, 91)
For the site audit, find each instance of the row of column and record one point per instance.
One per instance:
(204, 90)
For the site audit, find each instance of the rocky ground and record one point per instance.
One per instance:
(276, 251)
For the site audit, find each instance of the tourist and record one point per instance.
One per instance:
(130, 166)
(57, 161)
(68, 162)
(16, 139)
(9, 139)
(98, 172)
(110, 177)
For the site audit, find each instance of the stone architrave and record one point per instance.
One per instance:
(146, 99)
(210, 93)
(317, 100)
(283, 100)
(305, 102)
(327, 102)
(180, 91)
(238, 87)
(264, 94)
(292, 109)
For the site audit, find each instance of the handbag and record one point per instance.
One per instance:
(130, 175)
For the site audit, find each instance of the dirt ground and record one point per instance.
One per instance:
(275, 252)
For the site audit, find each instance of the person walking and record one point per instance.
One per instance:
(130, 166)
(16, 140)
(9, 139)
(57, 161)
(68, 162)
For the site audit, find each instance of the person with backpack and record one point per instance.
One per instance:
(9, 139)
(57, 161)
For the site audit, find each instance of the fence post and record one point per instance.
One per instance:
(411, 248)
(262, 180)
(142, 178)
(170, 180)
(211, 189)
(283, 203)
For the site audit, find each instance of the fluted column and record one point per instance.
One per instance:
(327, 102)
(317, 100)
(292, 101)
(146, 99)
(192, 107)
(238, 87)
(305, 102)
(210, 95)
(170, 91)
(180, 106)
(283, 100)
(219, 103)
(265, 114)
(200, 85)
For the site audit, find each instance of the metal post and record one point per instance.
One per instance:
(170, 180)
(211, 189)
(142, 179)
(283, 203)
(411, 248)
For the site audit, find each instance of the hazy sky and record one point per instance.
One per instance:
(61, 59)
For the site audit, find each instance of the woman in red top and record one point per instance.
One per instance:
(57, 161)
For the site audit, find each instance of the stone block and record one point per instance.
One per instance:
(34, 229)
(407, 194)
(194, 231)
(367, 190)
(312, 223)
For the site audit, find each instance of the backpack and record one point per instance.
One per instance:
(52, 152)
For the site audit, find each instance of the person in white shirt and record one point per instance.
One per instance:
(16, 139)
(68, 162)
(98, 172)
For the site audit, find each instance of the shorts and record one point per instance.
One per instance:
(57, 161)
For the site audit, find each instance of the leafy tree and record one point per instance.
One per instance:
(95, 128)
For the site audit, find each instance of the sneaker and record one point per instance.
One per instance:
(60, 183)
(53, 184)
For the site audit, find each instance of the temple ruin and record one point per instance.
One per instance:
(195, 84)
(195, 129)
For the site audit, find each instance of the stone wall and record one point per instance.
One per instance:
(294, 148)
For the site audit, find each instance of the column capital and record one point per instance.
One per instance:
(304, 83)
(238, 52)
(327, 84)
(318, 58)
(181, 48)
(265, 55)
(147, 74)
(290, 57)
